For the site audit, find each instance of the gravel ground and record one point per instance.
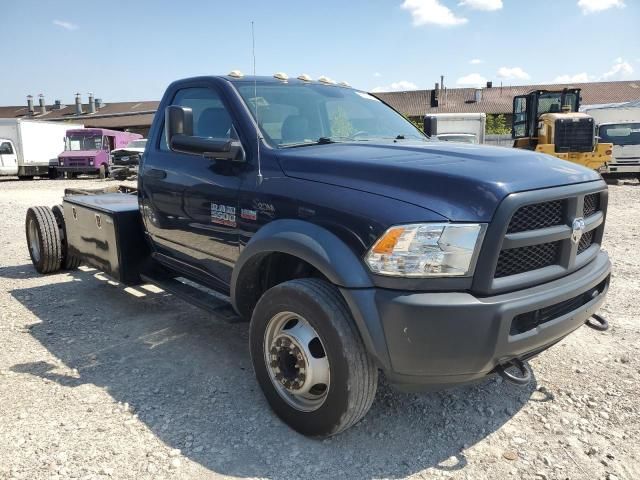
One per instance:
(98, 381)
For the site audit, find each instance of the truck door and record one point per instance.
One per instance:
(191, 202)
(8, 158)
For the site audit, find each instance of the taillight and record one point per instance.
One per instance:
(608, 152)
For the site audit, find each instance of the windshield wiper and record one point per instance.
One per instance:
(319, 141)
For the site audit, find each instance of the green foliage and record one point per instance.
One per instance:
(497, 125)
(340, 125)
(417, 122)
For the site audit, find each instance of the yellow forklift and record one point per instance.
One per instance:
(549, 122)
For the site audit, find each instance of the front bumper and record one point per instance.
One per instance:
(623, 167)
(78, 169)
(424, 340)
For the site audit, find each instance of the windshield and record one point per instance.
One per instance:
(620, 133)
(308, 114)
(552, 102)
(82, 143)
(137, 144)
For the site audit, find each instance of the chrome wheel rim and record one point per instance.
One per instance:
(297, 361)
(34, 241)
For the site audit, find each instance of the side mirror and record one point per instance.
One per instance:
(431, 125)
(179, 133)
(178, 121)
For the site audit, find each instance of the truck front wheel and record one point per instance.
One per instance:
(43, 239)
(309, 358)
(103, 172)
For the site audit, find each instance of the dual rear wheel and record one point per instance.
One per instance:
(47, 240)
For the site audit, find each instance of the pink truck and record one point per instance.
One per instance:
(88, 150)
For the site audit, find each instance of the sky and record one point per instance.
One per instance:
(131, 50)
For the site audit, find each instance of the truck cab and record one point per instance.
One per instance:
(88, 150)
(351, 242)
(8, 157)
(625, 137)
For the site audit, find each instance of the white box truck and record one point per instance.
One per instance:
(31, 147)
(456, 127)
(620, 125)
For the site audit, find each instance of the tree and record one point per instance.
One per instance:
(340, 125)
(497, 125)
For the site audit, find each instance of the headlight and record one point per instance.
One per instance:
(61, 162)
(91, 162)
(427, 250)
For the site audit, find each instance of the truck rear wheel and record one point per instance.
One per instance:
(43, 239)
(68, 262)
(309, 358)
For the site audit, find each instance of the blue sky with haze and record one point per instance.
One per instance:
(131, 50)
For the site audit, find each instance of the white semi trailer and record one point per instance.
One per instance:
(30, 148)
(620, 125)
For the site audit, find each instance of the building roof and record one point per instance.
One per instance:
(417, 103)
(111, 115)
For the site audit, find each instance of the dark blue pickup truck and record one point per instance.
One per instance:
(352, 242)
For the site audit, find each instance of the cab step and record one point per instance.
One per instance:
(197, 295)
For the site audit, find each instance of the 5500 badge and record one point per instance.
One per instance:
(223, 215)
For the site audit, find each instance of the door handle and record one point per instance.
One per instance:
(155, 173)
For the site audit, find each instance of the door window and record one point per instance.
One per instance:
(520, 117)
(210, 116)
(6, 148)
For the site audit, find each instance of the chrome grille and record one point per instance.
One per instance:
(538, 215)
(525, 259)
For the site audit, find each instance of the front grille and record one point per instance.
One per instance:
(574, 135)
(585, 241)
(538, 215)
(528, 321)
(591, 204)
(525, 259)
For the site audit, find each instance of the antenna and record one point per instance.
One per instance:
(255, 100)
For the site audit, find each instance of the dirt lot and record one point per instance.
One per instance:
(98, 381)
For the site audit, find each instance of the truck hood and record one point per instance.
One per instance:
(458, 181)
(78, 153)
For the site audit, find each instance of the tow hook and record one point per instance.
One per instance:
(525, 372)
(597, 322)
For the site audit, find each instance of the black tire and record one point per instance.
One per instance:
(119, 174)
(26, 177)
(68, 262)
(353, 375)
(42, 232)
(54, 174)
(103, 172)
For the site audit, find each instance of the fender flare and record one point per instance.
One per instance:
(331, 257)
(311, 243)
